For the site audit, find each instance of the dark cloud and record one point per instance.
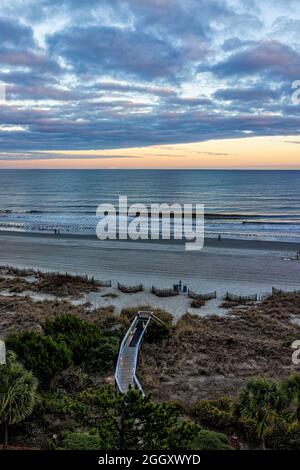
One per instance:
(15, 34)
(97, 50)
(257, 94)
(269, 57)
(111, 74)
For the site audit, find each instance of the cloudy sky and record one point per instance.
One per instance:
(149, 83)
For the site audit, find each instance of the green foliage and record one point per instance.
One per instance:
(132, 421)
(81, 441)
(97, 352)
(102, 356)
(41, 354)
(156, 332)
(210, 440)
(78, 335)
(17, 392)
(291, 389)
(262, 401)
(283, 435)
(217, 414)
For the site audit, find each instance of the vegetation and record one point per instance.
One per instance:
(266, 413)
(66, 341)
(210, 440)
(133, 422)
(17, 393)
(72, 349)
(41, 354)
(81, 441)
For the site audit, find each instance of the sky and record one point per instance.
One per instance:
(149, 84)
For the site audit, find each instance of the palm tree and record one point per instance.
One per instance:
(261, 401)
(291, 389)
(17, 393)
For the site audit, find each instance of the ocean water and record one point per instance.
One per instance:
(262, 205)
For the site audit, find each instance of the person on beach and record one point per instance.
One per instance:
(219, 237)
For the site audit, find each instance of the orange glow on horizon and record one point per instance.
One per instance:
(280, 152)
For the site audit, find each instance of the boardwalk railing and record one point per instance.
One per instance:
(125, 374)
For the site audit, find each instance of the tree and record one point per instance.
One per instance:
(81, 441)
(17, 393)
(41, 354)
(132, 421)
(102, 357)
(263, 402)
(291, 389)
(78, 335)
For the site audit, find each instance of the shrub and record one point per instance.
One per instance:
(156, 331)
(217, 414)
(78, 335)
(210, 440)
(72, 380)
(90, 347)
(81, 441)
(284, 436)
(41, 354)
(102, 356)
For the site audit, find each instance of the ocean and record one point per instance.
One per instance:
(242, 204)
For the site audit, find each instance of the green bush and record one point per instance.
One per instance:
(78, 335)
(283, 437)
(102, 356)
(217, 414)
(156, 332)
(90, 347)
(210, 440)
(41, 354)
(81, 441)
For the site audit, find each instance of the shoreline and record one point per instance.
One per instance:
(234, 243)
(238, 266)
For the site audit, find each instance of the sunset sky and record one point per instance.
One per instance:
(149, 84)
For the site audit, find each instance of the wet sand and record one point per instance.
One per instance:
(237, 266)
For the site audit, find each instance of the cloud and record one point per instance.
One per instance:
(269, 58)
(15, 34)
(257, 94)
(115, 50)
(130, 73)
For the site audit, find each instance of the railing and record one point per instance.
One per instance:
(118, 367)
(131, 353)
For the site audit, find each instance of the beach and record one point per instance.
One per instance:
(237, 266)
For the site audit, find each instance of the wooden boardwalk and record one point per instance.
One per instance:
(125, 374)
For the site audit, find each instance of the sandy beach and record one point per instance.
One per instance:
(240, 267)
